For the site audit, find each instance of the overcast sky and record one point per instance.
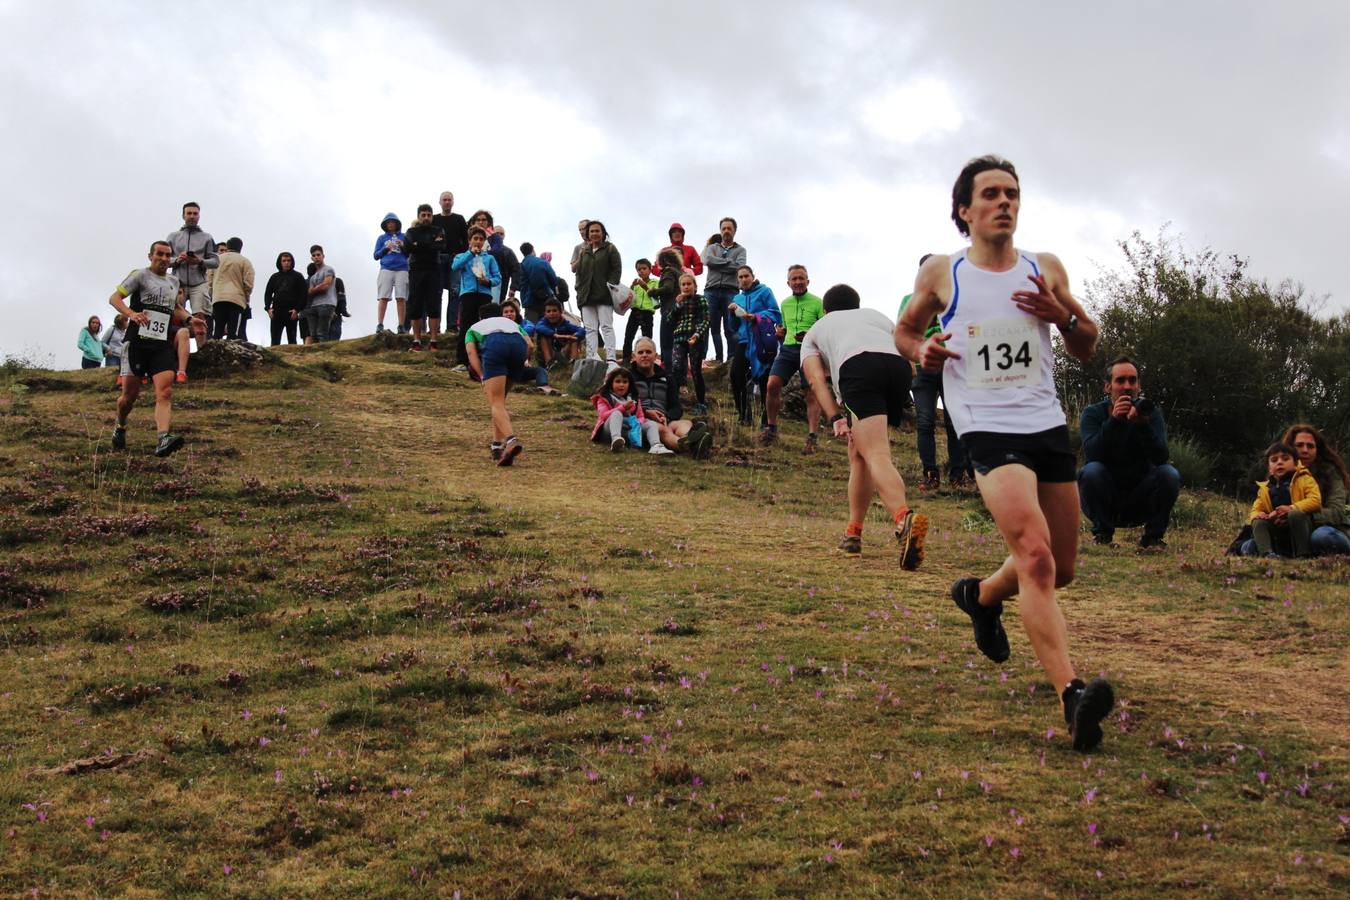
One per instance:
(832, 132)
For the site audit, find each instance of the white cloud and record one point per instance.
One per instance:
(920, 109)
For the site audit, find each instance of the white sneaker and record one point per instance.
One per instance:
(617, 445)
(661, 450)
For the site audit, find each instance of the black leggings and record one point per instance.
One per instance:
(684, 359)
(282, 321)
(741, 383)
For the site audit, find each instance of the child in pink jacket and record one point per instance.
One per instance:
(620, 419)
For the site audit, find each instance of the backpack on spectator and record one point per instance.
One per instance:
(764, 339)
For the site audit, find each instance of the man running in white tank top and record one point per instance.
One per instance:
(996, 305)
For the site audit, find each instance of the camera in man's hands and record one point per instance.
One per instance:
(1143, 405)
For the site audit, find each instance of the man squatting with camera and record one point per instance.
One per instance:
(1126, 479)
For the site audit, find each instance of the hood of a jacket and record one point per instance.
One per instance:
(391, 217)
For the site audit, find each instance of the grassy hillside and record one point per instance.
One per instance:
(328, 649)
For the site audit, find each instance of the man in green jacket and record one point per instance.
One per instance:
(800, 311)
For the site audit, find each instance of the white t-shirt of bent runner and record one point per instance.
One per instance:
(1004, 381)
(154, 295)
(495, 325)
(845, 333)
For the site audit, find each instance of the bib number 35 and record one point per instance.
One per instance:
(157, 329)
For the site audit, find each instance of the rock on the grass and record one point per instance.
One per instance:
(224, 357)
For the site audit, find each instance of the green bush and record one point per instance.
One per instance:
(1190, 458)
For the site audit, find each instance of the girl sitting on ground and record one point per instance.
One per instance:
(616, 405)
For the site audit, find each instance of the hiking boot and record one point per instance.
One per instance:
(701, 446)
(119, 438)
(181, 377)
(616, 445)
(910, 534)
(812, 444)
(1085, 705)
(988, 620)
(510, 450)
(768, 436)
(659, 449)
(169, 444)
(851, 545)
(931, 480)
(433, 345)
(416, 347)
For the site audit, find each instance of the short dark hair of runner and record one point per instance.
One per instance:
(424, 207)
(478, 230)
(235, 244)
(841, 296)
(963, 191)
(925, 258)
(604, 232)
(154, 244)
(313, 247)
(1280, 448)
(741, 269)
(643, 262)
(194, 204)
(1122, 358)
(526, 248)
(727, 219)
(489, 309)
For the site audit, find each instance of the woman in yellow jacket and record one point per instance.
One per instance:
(1281, 516)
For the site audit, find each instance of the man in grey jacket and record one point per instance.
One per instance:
(722, 259)
(194, 251)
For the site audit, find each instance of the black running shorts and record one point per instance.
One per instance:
(1047, 453)
(147, 359)
(875, 384)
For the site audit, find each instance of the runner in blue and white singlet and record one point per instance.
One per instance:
(995, 305)
(1004, 379)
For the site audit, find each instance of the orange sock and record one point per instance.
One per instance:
(900, 516)
(854, 529)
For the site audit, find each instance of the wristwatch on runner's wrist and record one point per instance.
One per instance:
(1070, 325)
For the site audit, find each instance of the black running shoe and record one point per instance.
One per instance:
(1084, 708)
(851, 545)
(988, 620)
(119, 439)
(169, 444)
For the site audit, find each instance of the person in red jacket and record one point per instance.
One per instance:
(692, 261)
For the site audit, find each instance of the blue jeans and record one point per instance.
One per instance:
(718, 298)
(1327, 540)
(927, 388)
(1109, 505)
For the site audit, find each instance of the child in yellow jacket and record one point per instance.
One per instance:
(1281, 515)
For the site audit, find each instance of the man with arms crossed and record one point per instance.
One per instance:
(996, 305)
(153, 302)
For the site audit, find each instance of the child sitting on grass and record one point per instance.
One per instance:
(617, 407)
(1280, 518)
